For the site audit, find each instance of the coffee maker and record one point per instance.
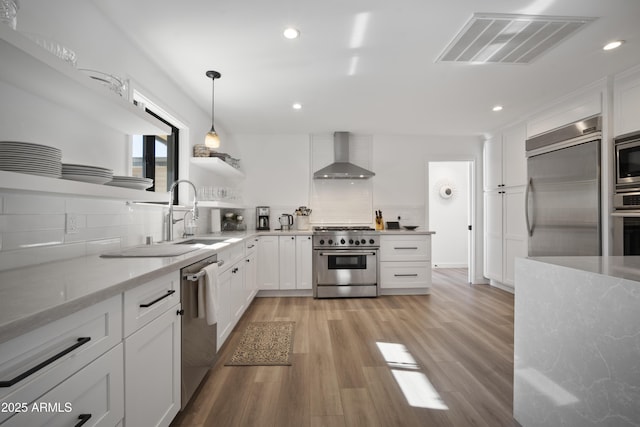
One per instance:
(262, 218)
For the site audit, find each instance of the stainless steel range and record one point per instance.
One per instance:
(345, 262)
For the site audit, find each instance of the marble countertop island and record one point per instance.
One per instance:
(577, 341)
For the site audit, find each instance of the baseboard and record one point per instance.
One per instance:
(502, 286)
(404, 291)
(444, 265)
(285, 293)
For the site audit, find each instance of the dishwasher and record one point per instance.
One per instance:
(198, 337)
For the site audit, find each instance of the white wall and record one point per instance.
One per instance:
(450, 216)
(399, 187)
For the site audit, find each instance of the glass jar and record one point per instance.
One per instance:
(9, 12)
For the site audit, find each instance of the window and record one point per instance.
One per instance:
(156, 157)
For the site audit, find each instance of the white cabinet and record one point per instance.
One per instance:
(505, 164)
(505, 178)
(223, 314)
(152, 352)
(405, 263)
(626, 96)
(492, 161)
(287, 262)
(514, 161)
(93, 394)
(251, 268)
(493, 235)
(77, 339)
(237, 298)
(268, 263)
(152, 369)
(505, 234)
(304, 259)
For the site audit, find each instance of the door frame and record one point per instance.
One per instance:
(471, 206)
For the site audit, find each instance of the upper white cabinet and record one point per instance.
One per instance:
(514, 162)
(28, 66)
(626, 97)
(505, 164)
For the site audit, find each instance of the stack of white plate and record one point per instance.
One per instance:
(131, 182)
(85, 173)
(27, 157)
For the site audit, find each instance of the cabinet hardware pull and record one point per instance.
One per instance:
(406, 247)
(406, 275)
(83, 419)
(180, 312)
(168, 294)
(250, 246)
(248, 260)
(80, 342)
(345, 253)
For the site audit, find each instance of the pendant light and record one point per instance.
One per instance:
(212, 140)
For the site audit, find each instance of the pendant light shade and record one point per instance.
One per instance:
(212, 140)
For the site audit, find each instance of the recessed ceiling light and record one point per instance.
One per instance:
(297, 106)
(497, 108)
(291, 33)
(613, 45)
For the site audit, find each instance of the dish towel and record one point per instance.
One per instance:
(208, 294)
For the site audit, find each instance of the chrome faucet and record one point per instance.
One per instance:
(169, 221)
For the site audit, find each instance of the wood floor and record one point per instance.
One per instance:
(447, 361)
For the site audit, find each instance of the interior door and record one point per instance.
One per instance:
(564, 201)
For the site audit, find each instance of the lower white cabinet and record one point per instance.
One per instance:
(251, 276)
(238, 299)
(93, 394)
(408, 274)
(405, 263)
(304, 259)
(287, 262)
(223, 314)
(268, 263)
(505, 234)
(152, 370)
(67, 345)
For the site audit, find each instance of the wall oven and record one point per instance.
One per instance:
(627, 162)
(345, 263)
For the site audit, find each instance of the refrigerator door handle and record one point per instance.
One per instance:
(526, 207)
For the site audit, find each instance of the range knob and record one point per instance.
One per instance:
(357, 242)
(363, 241)
(330, 242)
(371, 241)
(322, 241)
(351, 241)
(342, 242)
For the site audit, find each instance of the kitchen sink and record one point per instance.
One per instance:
(200, 242)
(150, 251)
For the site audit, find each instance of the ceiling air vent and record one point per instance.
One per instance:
(512, 39)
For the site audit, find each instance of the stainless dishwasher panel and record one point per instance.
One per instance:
(198, 338)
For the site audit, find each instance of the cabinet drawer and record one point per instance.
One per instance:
(94, 393)
(230, 255)
(250, 245)
(39, 360)
(405, 274)
(146, 302)
(405, 248)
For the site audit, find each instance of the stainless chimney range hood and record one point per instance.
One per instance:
(341, 168)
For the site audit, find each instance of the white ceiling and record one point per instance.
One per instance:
(397, 86)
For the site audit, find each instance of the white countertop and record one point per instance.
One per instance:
(621, 267)
(36, 295)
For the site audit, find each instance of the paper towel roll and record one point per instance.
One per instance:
(215, 221)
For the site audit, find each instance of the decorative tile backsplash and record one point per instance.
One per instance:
(36, 228)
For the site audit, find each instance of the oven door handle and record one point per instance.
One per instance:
(629, 214)
(346, 253)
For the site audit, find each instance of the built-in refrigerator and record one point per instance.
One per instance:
(563, 192)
